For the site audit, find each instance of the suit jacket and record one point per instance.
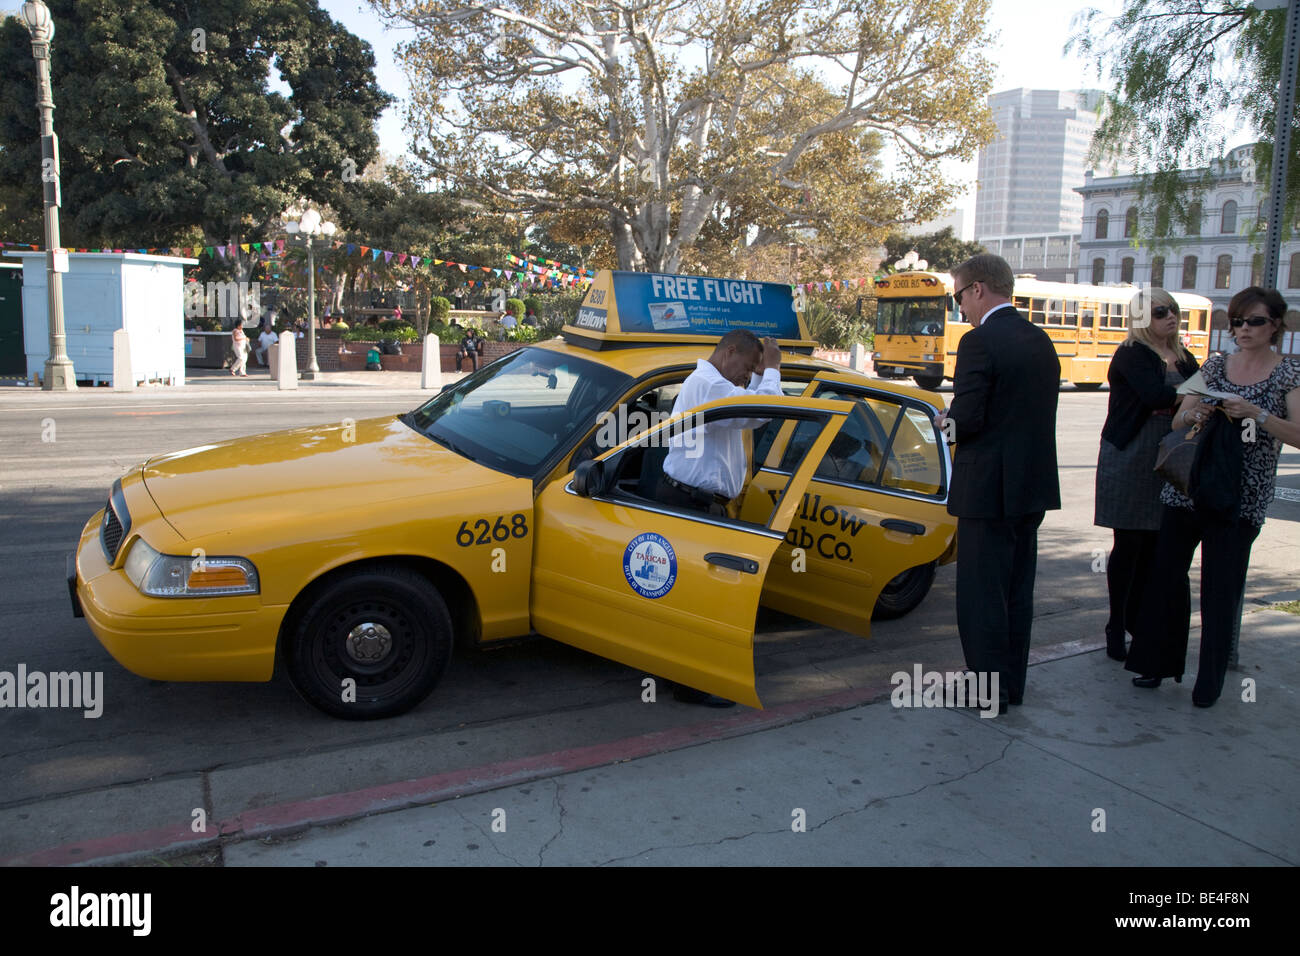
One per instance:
(1004, 410)
(1137, 388)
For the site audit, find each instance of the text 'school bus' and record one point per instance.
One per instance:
(918, 325)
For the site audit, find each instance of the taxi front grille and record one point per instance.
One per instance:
(113, 530)
(111, 533)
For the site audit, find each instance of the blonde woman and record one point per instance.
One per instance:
(1144, 373)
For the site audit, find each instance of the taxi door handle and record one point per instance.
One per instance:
(735, 563)
(907, 527)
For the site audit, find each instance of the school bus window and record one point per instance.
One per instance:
(1085, 318)
(1070, 311)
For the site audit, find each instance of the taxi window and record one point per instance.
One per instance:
(882, 443)
(514, 413)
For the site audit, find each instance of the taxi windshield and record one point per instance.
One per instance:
(512, 414)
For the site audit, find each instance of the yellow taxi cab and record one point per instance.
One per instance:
(522, 500)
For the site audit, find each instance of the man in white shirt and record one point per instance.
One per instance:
(708, 475)
(507, 322)
(264, 343)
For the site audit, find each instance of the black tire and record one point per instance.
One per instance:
(1087, 386)
(904, 592)
(411, 640)
(929, 382)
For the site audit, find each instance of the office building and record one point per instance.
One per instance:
(1028, 174)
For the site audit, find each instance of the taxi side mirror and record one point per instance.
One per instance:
(589, 479)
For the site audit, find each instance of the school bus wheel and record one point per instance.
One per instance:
(904, 592)
(371, 642)
(1087, 386)
(930, 382)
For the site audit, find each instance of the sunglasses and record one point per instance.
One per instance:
(1163, 312)
(1255, 321)
(957, 296)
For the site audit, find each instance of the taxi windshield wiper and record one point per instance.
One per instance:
(448, 443)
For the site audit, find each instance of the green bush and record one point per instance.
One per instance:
(557, 310)
(515, 307)
(447, 334)
(534, 302)
(833, 329)
(521, 333)
(439, 309)
(341, 325)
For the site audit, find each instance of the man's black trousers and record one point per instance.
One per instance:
(997, 559)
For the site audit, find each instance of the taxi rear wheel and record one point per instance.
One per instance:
(371, 643)
(904, 592)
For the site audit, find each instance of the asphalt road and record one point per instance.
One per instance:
(161, 750)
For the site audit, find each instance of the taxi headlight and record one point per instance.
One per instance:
(171, 575)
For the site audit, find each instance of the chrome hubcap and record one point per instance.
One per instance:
(368, 643)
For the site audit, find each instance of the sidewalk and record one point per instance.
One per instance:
(1089, 771)
(879, 785)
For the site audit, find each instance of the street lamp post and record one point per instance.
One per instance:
(59, 374)
(310, 227)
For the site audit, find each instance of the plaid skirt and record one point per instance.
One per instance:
(1128, 488)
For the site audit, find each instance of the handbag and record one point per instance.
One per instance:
(1176, 456)
(1204, 463)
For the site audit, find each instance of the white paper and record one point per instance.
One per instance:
(1196, 386)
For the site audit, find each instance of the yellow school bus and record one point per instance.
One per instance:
(918, 325)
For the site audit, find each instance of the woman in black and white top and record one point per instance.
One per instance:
(1144, 372)
(1265, 405)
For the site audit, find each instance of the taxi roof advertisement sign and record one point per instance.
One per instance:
(677, 306)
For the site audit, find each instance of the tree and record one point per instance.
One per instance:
(171, 132)
(1178, 65)
(673, 118)
(942, 250)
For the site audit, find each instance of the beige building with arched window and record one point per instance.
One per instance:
(1215, 250)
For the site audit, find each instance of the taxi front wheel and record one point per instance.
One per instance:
(371, 642)
(904, 592)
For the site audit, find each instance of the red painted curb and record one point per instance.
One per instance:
(291, 817)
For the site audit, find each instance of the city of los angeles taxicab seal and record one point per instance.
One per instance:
(650, 565)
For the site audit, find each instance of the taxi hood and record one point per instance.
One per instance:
(304, 473)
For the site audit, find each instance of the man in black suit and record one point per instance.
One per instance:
(1003, 418)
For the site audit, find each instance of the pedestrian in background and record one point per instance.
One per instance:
(1003, 417)
(264, 342)
(1144, 373)
(1265, 410)
(471, 347)
(239, 346)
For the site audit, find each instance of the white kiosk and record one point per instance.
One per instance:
(104, 292)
